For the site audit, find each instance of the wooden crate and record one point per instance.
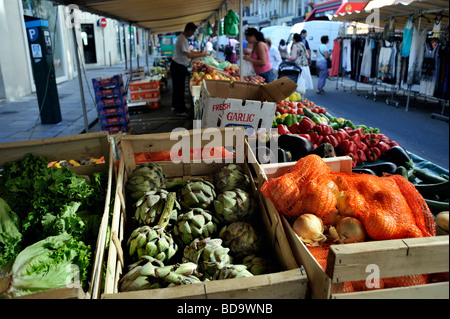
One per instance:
(66, 148)
(290, 283)
(395, 258)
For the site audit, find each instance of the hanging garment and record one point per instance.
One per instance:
(346, 55)
(429, 70)
(366, 63)
(335, 55)
(416, 56)
(407, 37)
(436, 29)
(389, 30)
(383, 63)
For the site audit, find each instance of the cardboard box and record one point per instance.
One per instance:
(289, 283)
(249, 105)
(349, 262)
(144, 85)
(74, 147)
(144, 95)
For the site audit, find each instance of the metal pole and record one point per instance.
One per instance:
(131, 56)
(125, 47)
(80, 81)
(217, 43)
(104, 46)
(241, 42)
(146, 49)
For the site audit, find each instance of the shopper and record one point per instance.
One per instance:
(282, 48)
(274, 55)
(209, 47)
(257, 53)
(304, 34)
(230, 50)
(321, 64)
(178, 68)
(300, 55)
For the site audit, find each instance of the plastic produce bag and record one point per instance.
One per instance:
(246, 68)
(231, 23)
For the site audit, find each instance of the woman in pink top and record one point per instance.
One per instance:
(258, 54)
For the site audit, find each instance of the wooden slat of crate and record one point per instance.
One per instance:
(61, 293)
(294, 279)
(66, 148)
(398, 257)
(395, 257)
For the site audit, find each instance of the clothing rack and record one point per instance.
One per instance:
(396, 89)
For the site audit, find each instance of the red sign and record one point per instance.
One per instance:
(103, 22)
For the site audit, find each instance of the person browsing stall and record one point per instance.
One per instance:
(181, 58)
(257, 53)
(321, 63)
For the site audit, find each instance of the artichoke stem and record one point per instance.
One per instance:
(167, 212)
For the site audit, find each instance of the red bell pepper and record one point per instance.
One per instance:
(332, 140)
(356, 138)
(283, 129)
(364, 146)
(383, 147)
(307, 136)
(324, 129)
(373, 154)
(372, 139)
(319, 140)
(341, 134)
(306, 125)
(294, 128)
(354, 159)
(361, 156)
(384, 138)
(393, 143)
(359, 131)
(346, 147)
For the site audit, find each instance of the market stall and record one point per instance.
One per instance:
(403, 58)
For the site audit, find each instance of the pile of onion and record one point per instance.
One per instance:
(310, 229)
(348, 230)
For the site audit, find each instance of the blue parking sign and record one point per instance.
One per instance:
(33, 33)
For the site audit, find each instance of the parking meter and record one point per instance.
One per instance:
(41, 51)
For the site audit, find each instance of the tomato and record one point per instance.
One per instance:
(293, 104)
(311, 103)
(300, 111)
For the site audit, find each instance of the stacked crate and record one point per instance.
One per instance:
(146, 91)
(112, 104)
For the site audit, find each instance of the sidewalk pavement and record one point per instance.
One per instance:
(20, 121)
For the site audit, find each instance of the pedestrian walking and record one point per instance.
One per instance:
(321, 64)
(304, 35)
(300, 55)
(258, 54)
(178, 68)
(282, 48)
(274, 55)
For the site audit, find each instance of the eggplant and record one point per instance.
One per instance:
(298, 146)
(324, 150)
(399, 156)
(267, 156)
(363, 171)
(282, 156)
(380, 168)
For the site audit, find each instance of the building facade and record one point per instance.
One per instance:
(97, 45)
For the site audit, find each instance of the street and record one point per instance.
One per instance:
(414, 129)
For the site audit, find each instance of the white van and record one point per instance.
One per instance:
(315, 30)
(276, 33)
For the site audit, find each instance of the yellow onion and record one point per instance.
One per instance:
(309, 229)
(442, 220)
(350, 230)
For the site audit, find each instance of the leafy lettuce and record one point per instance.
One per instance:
(54, 262)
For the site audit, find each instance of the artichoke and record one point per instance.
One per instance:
(208, 254)
(241, 238)
(259, 265)
(232, 271)
(154, 241)
(145, 178)
(230, 177)
(150, 207)
(150, 273)
(197, 193)
(195, 223)
(235, 205)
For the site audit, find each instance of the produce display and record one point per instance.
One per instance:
(206, 69)
(190, 230)
(49, 221)
(326, 208)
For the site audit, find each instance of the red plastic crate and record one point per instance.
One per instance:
(139, 86)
